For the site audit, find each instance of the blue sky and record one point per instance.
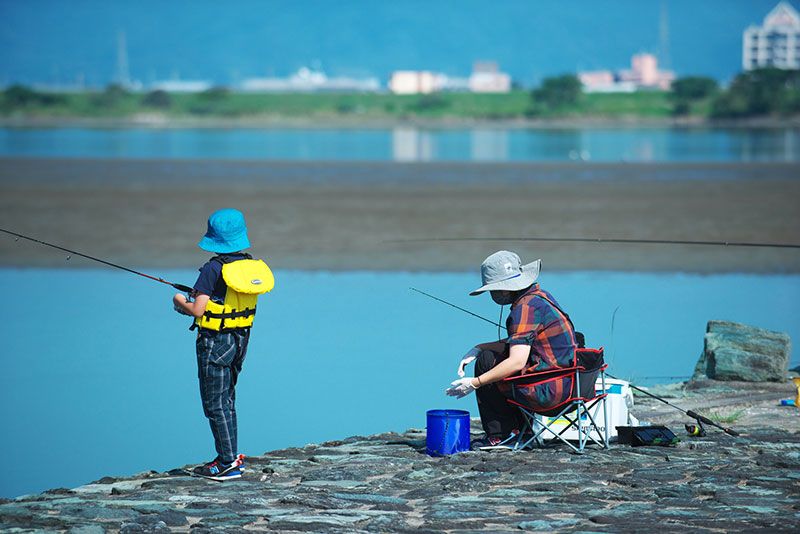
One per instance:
(46, 41)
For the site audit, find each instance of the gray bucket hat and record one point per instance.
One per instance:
(503, 271)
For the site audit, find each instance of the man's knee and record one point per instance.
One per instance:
(486, 360)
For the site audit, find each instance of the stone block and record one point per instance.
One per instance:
(734, 351)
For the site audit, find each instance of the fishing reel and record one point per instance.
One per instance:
(697, 430)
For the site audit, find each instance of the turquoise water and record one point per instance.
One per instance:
(100, 374)
(412, 144)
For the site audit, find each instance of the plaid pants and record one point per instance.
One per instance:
(220, 356)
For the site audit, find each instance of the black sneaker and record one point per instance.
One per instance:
(215, 470)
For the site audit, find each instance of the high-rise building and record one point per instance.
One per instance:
(774, 44)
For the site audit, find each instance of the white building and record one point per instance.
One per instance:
(181, 86)
(487, 78)
(776, 43)
(411, 82)
(643, 74)
(308, 80)
(604, 81)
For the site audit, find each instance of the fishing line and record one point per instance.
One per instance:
(663, 377)
(179, 287)
(456, 307)
(601, 240)
(613, 347)
(499, 322)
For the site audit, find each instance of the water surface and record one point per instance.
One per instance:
(635, 144)
(100, 375)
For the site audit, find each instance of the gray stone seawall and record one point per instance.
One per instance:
(386, 483)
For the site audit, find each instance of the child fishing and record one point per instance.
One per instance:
(223, 303)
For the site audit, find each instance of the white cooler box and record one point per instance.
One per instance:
(618, 403)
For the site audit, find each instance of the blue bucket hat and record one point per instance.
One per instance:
(227, 232)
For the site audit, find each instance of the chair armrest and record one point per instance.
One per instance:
(542, 376)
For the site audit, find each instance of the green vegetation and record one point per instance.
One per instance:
(556, 94)
(644, 104)
(114, 103)
(725, 418)
(760, 92)
(157, 99)
(768, 92)
(689, 93)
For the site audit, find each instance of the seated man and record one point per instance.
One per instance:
(540, 337)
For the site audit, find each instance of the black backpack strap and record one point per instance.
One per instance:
(226, 258)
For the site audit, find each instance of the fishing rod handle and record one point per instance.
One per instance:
(181, 287)
(703, 419)
(706, 420)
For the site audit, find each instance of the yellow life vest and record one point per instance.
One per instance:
(246, 280)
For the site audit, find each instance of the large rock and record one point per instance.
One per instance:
(734, 351)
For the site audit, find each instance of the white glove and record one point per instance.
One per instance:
(468, 359)
(460, 388)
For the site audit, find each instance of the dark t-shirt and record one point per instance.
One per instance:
(210, 281)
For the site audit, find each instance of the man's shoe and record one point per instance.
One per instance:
(482, 443)
(492, 443)
(215, 470)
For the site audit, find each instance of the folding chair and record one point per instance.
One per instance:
(549, 399)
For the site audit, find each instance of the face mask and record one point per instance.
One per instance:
(503, 297)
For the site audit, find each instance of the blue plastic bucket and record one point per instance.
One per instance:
(448, 432)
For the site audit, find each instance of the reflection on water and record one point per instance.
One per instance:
(489, 145)
(91, 390)
(635, 144)
(413, 144)
(644, 151)
(784, 143)
(410, 144)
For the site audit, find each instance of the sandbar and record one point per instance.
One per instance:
(393, 216)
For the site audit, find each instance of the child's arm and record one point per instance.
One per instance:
(195, 308)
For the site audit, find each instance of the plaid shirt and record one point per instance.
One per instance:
(534, 321)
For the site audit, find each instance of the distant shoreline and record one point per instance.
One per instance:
(158, 121)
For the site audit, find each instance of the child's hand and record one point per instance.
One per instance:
(179, 303)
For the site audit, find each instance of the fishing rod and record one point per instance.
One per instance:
(457, 307)
(179, 287)
(601, 240)
(694, 415)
